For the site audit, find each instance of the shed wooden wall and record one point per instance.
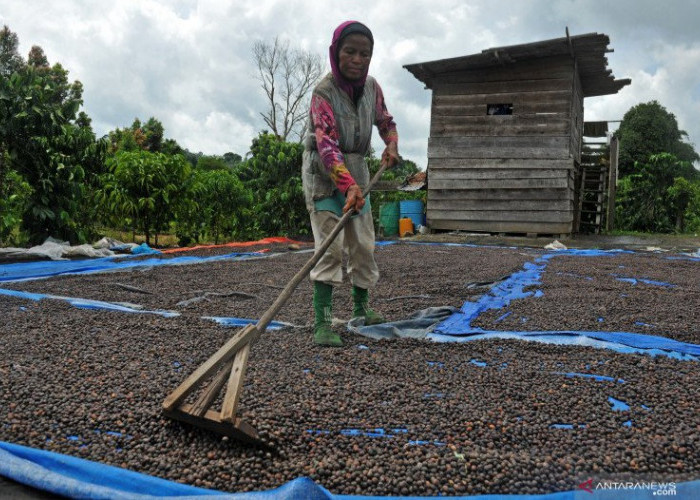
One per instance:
(506, 173)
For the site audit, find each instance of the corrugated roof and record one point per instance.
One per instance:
(589, 51)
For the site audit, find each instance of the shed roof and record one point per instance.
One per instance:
(589, 51)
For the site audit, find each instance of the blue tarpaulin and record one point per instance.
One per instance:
(23, 271)
(78, 478)
(458, 326)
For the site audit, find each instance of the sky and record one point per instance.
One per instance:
(189, 63)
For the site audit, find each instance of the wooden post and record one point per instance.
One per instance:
(612, 184)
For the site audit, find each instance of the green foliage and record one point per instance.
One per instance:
(692, 211)
(47, 146)
(190, 216)
(648, 129)
(147, 188)
(684, 199)
(211, 163)
(654, 197)
(149, 136)
(10, 60)
(217, 207)
(227, 204)
(14, 195)
(404, 169)
(273, 175)
(231, 159)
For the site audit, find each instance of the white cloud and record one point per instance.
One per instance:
(188, 62)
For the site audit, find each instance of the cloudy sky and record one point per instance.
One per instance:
(188, 62)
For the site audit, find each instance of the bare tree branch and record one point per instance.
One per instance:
(287, 77)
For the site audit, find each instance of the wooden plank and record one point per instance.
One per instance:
(235, 385)
(501, 227)
(482, 184)
(503, 205)
(612, 184)
(504, 120)
(436, 164)
(549, 67)
(239, 430)
(495, 76)
(499, 147)
(499, 126)
(504, 87)
(524, 153)
(521, 108)
(503, 216)
(492, 173)
(556, 142)
(206, 399)
(498, 194)
(525, 102)
(205, 370)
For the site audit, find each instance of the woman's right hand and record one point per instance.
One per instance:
(354, 199)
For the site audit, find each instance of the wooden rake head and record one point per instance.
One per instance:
(225, 368)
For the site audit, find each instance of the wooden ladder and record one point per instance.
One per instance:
(593, 188)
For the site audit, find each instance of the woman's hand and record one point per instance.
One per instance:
(390, 156)
(354, 199)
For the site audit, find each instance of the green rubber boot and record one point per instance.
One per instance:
(360, 298)
(323, 308)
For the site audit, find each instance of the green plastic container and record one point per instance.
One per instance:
(389, 219)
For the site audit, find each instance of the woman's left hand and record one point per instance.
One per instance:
(390, 156)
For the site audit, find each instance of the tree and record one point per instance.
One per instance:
(226, 202)
(680, 195)
(647, 199)
(37, 58)
(149, 136)
(211, 163)
(46, 143)
(146, 187)
(649, 129)
(10, 60)
(226, 162)
(14, 195)
(287, 76)
(231, 159)
(273, 175)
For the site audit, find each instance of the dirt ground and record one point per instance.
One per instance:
(399, 417)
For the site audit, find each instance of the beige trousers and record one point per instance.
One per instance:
(356, 238)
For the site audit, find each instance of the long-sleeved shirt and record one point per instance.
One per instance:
(327, 138)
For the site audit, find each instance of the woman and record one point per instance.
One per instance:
(344, 106)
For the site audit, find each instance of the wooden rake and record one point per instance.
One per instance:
(228, 365)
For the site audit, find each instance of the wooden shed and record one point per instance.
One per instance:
(506, 131)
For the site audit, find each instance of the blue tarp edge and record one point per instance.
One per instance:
(79, 478)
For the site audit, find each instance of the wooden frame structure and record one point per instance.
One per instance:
(506, 133)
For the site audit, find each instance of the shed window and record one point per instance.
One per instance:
(499, 109)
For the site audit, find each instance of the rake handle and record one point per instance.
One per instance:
(248, 334)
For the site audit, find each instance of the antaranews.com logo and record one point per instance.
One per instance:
(660, 489)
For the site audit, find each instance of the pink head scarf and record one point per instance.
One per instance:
(351, 88)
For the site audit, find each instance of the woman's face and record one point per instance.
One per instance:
(354, 56)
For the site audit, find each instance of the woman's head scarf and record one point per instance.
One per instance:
(352, 88)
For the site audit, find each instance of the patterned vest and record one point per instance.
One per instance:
(355, 131)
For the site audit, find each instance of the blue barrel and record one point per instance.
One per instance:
(412, 209)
